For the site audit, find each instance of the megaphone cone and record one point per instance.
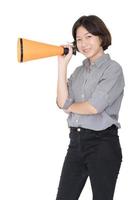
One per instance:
(29, 50)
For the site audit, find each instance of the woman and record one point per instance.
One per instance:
(92, 98)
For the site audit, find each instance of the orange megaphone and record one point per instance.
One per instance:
(30, 50)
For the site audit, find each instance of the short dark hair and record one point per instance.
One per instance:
(95, 26)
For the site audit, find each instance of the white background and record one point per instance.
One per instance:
(33, 131)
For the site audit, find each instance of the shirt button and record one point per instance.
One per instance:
(76, 120)
(82, 95)
(78, 129)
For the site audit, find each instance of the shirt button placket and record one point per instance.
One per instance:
(82, 96)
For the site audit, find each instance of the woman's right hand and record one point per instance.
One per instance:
(64, 59)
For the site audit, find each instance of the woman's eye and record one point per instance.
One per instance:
(89, 36)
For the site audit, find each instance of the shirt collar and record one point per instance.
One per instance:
(97, 63)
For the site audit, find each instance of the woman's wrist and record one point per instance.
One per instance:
(62, 65)
(62, 69)
(70, 108)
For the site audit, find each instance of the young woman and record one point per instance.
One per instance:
(92, 97)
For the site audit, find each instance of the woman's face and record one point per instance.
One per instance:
(88, 44)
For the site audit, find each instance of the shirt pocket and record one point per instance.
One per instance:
(91, 83)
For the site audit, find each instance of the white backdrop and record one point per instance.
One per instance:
(33, 131)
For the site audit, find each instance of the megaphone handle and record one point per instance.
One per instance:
(66, 50)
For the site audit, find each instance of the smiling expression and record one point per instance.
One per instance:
(88, 44)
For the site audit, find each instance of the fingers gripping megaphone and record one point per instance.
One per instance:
(30, 50)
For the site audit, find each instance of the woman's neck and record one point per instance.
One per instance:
(96, 56)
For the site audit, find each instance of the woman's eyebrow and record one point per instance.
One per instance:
(78, 36)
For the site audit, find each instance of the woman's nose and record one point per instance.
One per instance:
(83, 44)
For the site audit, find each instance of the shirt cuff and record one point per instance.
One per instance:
(68, 102)
(100, 102)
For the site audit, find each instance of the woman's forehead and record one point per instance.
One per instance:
(81, 31)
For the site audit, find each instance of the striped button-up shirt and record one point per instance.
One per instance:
(102, 84)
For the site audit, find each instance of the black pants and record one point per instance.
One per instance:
(96, 154)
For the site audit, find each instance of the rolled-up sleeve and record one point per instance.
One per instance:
(69, 101)
(109, 88)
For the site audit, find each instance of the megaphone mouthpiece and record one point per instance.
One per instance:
(20, 50)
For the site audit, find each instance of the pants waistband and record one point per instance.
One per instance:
(79, 129)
